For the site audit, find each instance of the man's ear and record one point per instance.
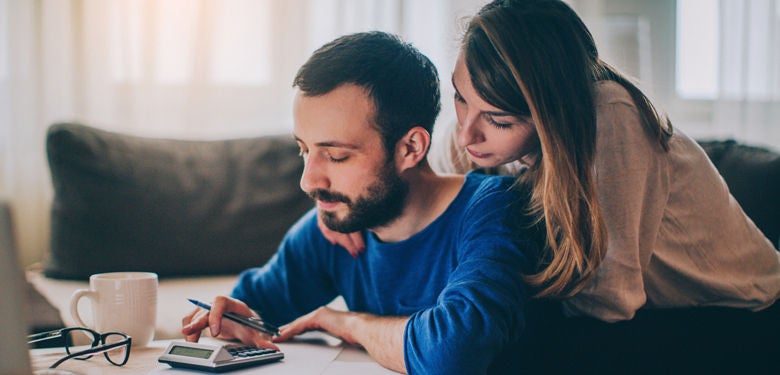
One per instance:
(412, 148)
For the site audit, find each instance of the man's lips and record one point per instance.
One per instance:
(327, 205)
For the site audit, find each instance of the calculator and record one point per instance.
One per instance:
(216, 357)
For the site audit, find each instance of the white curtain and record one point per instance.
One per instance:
(197, 69)
(209, 69)
(748, 102)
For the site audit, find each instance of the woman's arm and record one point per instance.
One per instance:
(633, 188)
(353, 242)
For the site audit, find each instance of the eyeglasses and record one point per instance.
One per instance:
(81, 343)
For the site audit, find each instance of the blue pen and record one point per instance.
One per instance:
(254, 323)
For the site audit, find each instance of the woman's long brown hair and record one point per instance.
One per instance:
(536, 58)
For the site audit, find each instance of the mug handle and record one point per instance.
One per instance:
(74, 304)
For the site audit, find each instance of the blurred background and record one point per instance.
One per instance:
(215, 69)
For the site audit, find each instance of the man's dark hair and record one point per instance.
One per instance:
(402, 82)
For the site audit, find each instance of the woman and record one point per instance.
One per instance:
(635, 214)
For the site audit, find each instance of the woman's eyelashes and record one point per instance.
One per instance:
(459, 98)
(488, 116)
(496, 123)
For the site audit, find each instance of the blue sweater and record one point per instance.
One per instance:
(459, 280)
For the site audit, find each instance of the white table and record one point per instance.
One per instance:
(312, 354)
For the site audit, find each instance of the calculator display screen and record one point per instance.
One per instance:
(191, 352)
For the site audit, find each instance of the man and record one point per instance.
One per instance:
(439, 288)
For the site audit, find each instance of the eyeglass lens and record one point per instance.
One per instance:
(118, 355)
(76, 340)
(79, 339)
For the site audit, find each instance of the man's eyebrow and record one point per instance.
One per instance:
(336, 144)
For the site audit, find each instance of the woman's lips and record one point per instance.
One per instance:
(477, 155)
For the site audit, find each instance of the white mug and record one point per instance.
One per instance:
(121, 301)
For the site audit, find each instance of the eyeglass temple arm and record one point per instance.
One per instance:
(43, 336)
(95, 350)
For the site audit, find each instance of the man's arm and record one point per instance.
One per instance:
(295, 281)
(289, 285)
(382, 337)
(477, 316)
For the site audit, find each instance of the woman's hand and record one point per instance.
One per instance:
(353, 242)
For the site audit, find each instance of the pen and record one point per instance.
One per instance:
(253, 323)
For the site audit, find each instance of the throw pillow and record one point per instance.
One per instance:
(174, 207)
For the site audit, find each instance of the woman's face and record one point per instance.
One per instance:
(490, 135)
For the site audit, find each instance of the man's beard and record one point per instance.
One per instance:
(383, 203)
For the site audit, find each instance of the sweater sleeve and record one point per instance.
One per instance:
(295, 280)
(480, 311)
(633, 188)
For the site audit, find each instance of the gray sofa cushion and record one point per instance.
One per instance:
(6, 226)
(753, 176)
(174, 207)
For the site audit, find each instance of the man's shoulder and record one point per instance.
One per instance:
(495, 216)
(490, 197)
(483, 186)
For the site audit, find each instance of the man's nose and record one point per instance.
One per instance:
(314, 175)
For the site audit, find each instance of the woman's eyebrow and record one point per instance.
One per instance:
(491, 113)
(501, 113)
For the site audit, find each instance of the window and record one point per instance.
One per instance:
(229, 41)
(697, 49)
(3, 40)
(5, 119)
(242, 40)
(728, 50)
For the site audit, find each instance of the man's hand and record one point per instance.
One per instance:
(382, 337)
(322, 319)
(353, 242)
(196, 321)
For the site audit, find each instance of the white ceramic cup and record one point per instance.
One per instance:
(121, 301)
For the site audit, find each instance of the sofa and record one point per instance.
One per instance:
(199, 212)
(195, 212)
(711, 340)
(752, 174)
